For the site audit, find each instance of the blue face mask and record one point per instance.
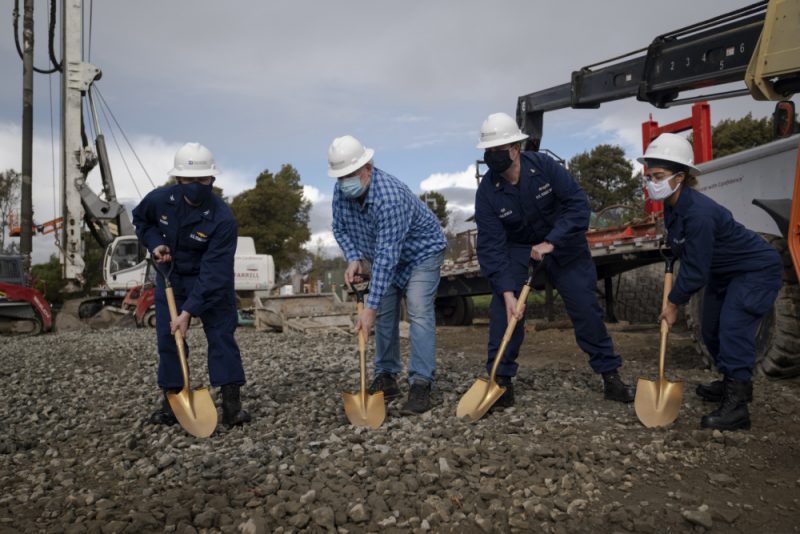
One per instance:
(352, 187)
(197, 193)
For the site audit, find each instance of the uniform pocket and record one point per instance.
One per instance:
(759, 291)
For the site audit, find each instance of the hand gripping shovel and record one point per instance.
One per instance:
(194, 410)
(658, 403)
(363, 409)
(484, 393)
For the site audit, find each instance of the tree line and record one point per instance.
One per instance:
(275, 212)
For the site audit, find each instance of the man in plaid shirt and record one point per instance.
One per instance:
(377, 218)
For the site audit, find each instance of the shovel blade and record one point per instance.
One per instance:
(478, 399)
(195, 411)
(657, 402)
(365, 410)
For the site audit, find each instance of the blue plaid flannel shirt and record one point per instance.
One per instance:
(393, 229)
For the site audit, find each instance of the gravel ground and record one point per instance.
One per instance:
(77, 456)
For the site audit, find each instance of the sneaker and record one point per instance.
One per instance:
(506, 400)
(386, 383)
(617, 390)
(419, 399)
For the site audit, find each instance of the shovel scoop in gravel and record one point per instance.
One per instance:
(363, 408)
(658, 402)
(194, 410)
(484, 393)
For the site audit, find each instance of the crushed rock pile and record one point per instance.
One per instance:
(76, 453)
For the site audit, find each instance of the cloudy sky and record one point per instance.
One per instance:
(267, 83)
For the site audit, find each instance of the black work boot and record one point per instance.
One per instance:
(712, 392)
(164, 415)
(419, 399)
(506, 400)
(732, 414)
(617, 390)
(232, 413)
(385, 382)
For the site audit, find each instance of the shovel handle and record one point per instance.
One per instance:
(173, 314)
(362, 344)
(533, 270)
(662, 351)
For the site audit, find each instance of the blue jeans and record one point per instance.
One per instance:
(420, 294)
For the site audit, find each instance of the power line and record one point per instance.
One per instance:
(53, 160)
(91, 14)
(119, 149)
(51, 31)
(130, 145)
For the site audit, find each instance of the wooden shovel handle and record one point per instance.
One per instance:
(173, 314)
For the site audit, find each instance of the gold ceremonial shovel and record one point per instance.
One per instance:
(657, 403)
(484, 393)
(363, 409)
(194, 410)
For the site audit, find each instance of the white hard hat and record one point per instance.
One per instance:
(347, 155)
(671, 147)
(193, 160)
(499, 129)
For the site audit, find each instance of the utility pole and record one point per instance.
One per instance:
(26, 197)
(76, 159)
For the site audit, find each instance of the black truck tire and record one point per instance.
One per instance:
(637, 294)
(778, 336)
(455, 311)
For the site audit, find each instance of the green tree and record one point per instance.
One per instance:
(729, 136)
(47, 278)
(9, 199)
(275, 214)
(606, 176)
(438, 205)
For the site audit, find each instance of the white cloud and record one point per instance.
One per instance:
(324, 244)
(313, 194)
(443, 180)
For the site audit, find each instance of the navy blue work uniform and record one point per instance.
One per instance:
(547, 204)
(740, 271)
(202, 242)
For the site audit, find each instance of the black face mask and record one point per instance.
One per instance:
(498, 161)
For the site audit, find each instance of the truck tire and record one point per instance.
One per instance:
(450, 311)
(469, 311)
(778, 335)
(637, 294)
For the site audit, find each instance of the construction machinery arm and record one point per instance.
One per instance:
(712, 52)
